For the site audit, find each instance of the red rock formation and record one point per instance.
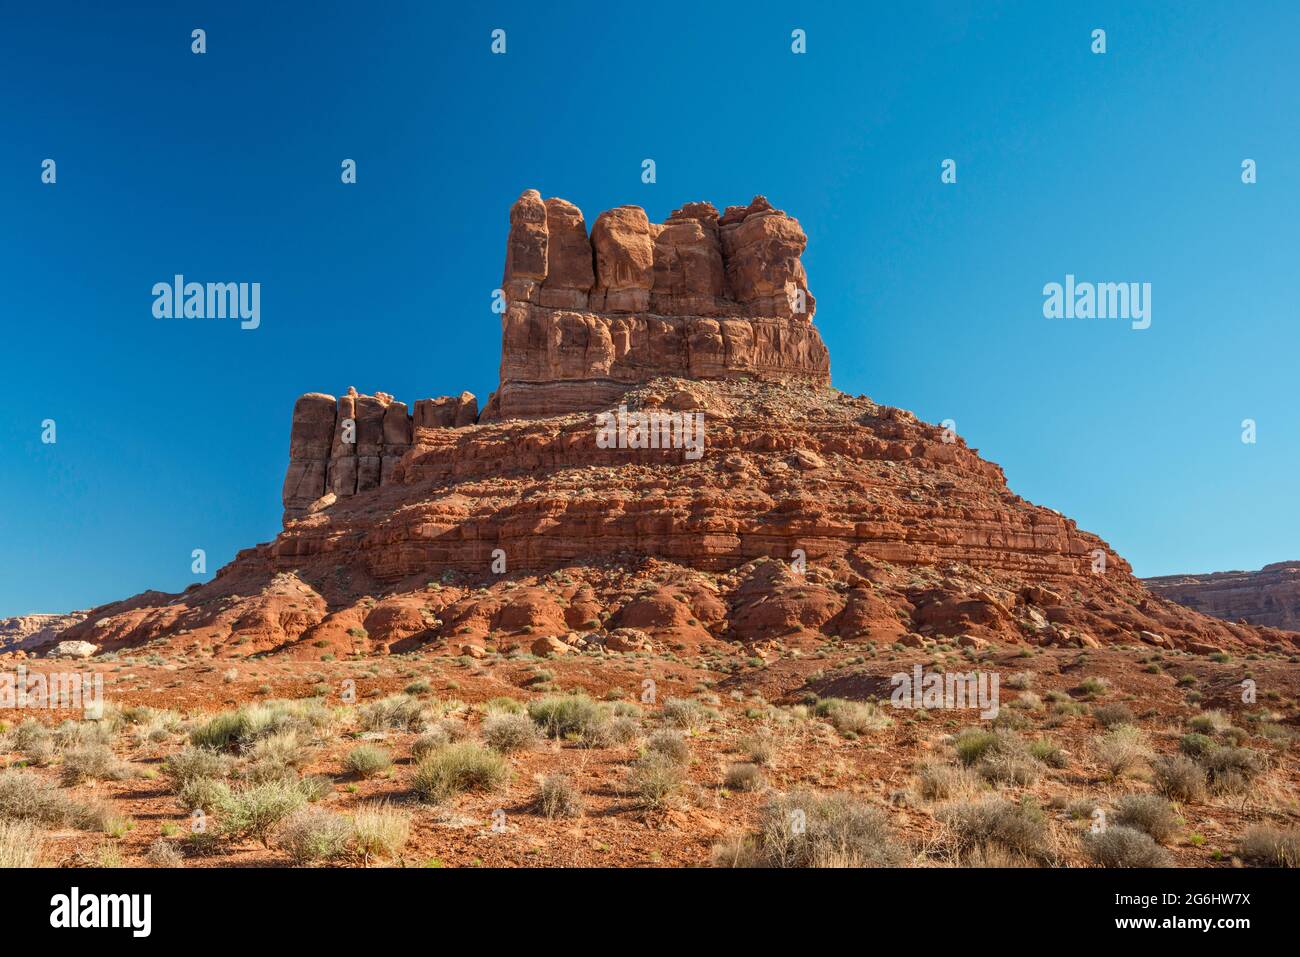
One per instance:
(809, 514)
(1270, 596)
(355, 443)
(700, 296)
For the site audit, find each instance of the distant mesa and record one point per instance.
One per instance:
(1270, 596)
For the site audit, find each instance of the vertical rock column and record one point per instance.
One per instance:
(310, 437)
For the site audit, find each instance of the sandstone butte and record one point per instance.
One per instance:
(393, 514)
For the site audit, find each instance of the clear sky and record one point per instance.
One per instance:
(1124, 166)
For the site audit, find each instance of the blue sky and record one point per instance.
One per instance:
(1116, 167)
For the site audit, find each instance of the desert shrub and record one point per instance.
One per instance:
(464, 766)
(1109, 715)
(1148, 813)
(400, 712)
(312, 834)
(743, 776)
(1210, 722)
(1020, 680)
(418, 686)
(558, 796)
(1094, 686)
(1019, 828)
(204, 794)
(562, 716)
(1231, 770)
(943, 782)
(221, 732)
(427, 743)
(761, 748)
(21, 843)
(655, 778)
(285, 748)
(617, 730)
(315, 787)
(239, 729)
(852, 717)
(1179, 778)
(686, 714)
(1271, 847)
(509, 732)
(1008, 767)
(971, 744)
(254, 812)
(379, 830)
(1048, 752)
(163, 853)
(671, 745)
(195, 763)
(806, 829)
(1194, 745)
(367, 761)
(25, 797)
(1120, 846)
(1120, 750)
(92, 762)
(34, 741)
(506, 704)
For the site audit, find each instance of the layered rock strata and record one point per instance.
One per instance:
(1270, 596)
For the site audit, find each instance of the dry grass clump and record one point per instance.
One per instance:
(92, 762)
(743, 776)
(464, 766)
(191, 764)
(509, 732)
(943, 782)
(671, 744)
(163, 853)
(256, 811)
(852, 718)
(687, 714)
(576, 717)
(21, 844)
(1109, 715)
(806, 829)
(1148, 813)
(1179, 778)
(1120, 846)
(558, 796)
(760, 748)
(312, 834)
(1210, 722)
(239, 729)
(1121, 750)
(655, 779)
(1231, 770)
(25, 797)
(1271, 847)
(367, 761)
(997, 829)
(399, 712)
(380, 830)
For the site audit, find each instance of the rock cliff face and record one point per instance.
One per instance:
(809, 515)
(701, 296)
(1270, 596)
(355, 443)
(31, 631)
